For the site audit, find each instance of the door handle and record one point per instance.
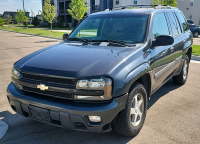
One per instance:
(172, 49)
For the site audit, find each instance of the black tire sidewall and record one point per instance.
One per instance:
(138, 89)
(185, 59)
(194, 34)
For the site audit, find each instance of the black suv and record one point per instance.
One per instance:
(103, 74)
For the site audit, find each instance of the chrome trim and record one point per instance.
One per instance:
(165, 69)
(59, 89)
(169, 66)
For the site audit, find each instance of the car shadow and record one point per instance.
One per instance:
(166, 88)
(29, 131)
(22, 36)
(46, 41)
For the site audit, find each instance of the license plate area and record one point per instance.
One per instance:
(39, 114)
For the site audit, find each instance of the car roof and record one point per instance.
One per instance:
(137, 11)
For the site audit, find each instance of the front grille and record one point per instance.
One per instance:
(49, 93)
(43, 78)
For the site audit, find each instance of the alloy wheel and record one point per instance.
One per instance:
(185, 69)
(137, 109)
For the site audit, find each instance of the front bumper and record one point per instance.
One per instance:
(69, 116)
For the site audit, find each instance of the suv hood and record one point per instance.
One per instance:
(72, 60)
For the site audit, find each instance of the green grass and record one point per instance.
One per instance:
(35, 32)
(196, 50)
(32, 26)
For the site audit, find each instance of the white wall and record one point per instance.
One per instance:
(88, 4)
(131, 2)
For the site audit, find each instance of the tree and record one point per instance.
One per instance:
(49, 12)
(164, 2)
(1, 22)
(169, 2)
(78, 9)
(35, 21)
(155, 2)
(21, 17)
(8, 19)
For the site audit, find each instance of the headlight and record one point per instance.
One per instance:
(104, 84)
(15, 73)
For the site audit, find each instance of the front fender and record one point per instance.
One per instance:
(135, 74)
(130, 78)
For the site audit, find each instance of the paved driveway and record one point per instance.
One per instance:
(197, 41)
(173, 115)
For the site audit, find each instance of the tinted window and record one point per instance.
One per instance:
(160, 26)
(178, 24)
(173, 23)
(190, 21)
(182, 21)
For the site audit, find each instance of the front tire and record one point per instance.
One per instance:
(182, 77)
(131, 119)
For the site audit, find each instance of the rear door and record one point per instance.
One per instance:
(179, 39)
(161, 55)
(187, 42)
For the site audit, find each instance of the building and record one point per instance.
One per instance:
(118, 3)
(62, 6)
(13, 14)
(191, 9)
(95, 6)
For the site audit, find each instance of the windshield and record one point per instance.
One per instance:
(130, 28)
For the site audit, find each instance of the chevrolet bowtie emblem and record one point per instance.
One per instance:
(42, 87)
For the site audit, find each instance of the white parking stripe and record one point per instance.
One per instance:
(193, 61)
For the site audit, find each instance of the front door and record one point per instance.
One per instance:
(162, 56)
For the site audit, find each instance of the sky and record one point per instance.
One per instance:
(13, 5)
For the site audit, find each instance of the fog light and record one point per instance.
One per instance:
(95, 118)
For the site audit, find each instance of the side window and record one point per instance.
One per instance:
(160, 25)
(182, 21)
(173, 24)
(178, 24)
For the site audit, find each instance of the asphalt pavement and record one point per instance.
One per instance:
(173, 115)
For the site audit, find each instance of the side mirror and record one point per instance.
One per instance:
(163, 40)
(65, 36)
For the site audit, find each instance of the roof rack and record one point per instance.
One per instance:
(142, 6)
(165, 7)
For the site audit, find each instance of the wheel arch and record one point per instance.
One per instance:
(145, 80)
(189, 53)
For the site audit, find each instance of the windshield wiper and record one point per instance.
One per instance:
(113, 41)
(85, 41)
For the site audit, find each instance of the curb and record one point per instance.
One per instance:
(59, 39)
(196, 58)
(3, 129)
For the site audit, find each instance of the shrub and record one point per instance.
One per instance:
(35, 21)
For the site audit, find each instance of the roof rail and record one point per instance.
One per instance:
(165, 7)
(136, 6)
(142, 6)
